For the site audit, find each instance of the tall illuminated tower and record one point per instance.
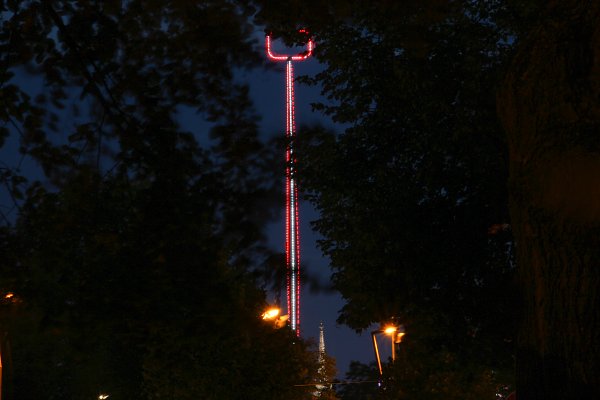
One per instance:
(292, 239)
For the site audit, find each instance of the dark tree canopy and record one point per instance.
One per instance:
(413, 204)
(550, 108)
(131, 251)
(129, 257)
(419, 198)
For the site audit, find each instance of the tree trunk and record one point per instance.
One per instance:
(550, 107)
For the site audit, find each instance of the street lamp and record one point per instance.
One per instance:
(396, 332)
(273, 314)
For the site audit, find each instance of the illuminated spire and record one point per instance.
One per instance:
(322, 368)
(321, 344)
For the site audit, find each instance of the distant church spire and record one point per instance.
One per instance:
(321, 345)
(321, 371)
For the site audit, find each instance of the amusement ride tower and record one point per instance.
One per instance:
(292, 239)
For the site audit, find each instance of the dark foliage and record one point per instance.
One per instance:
(550, 108)
(128, 257)
(415, 202)
(413, 196)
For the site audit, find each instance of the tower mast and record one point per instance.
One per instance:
(292, 238)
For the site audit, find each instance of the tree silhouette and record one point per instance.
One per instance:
(412, 196)
(134, 249)
(423, 192)
(549, 107)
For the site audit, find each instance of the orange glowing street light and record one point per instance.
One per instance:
(396, 332)
(271, 314)
(390, 330)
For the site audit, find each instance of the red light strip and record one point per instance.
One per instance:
(285, 57)
(292, 237)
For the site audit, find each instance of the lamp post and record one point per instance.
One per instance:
(396, 332)
(376, 350)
